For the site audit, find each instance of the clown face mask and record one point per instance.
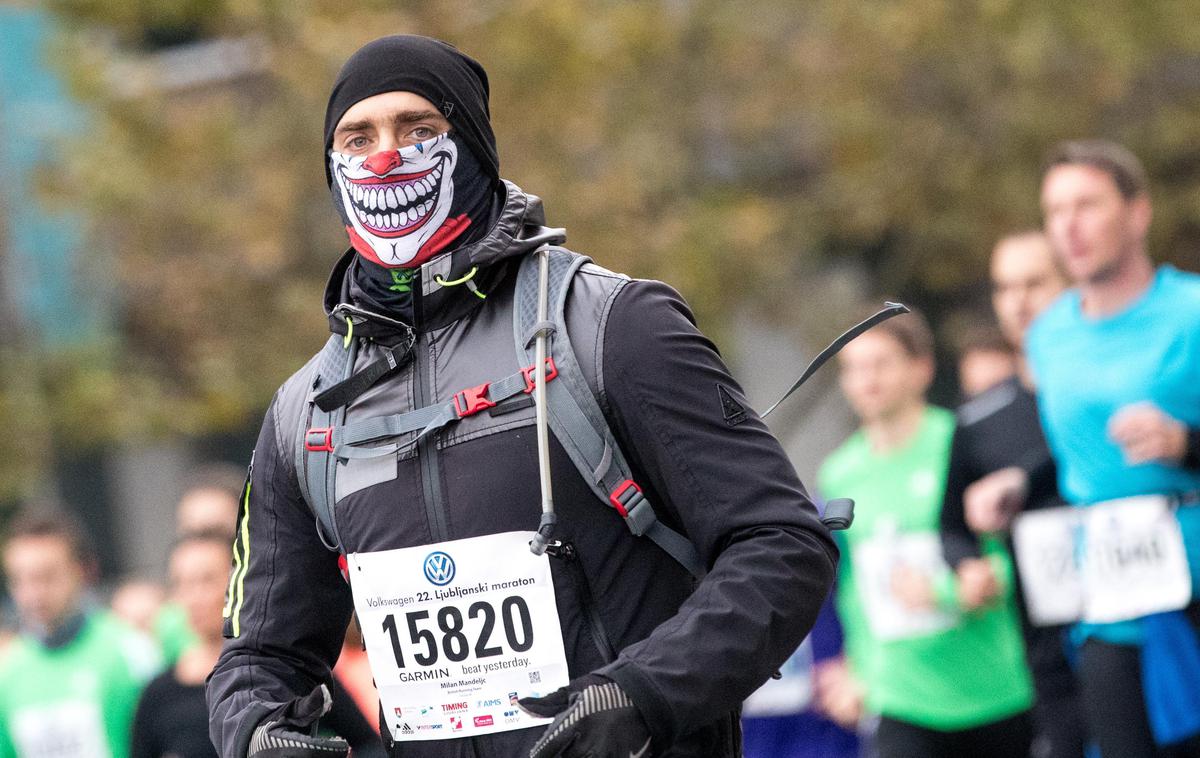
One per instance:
(396, 204)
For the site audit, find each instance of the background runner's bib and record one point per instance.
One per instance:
(1112, 561)
(457, 632)
(875, 560)
(70, 729)
(1044, 548)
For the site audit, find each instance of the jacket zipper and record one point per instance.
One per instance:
(591, 616)
(427, 452)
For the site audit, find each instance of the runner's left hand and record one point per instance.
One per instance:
(977, 583)
(1145, 433)
(593, 718)
(289, 732)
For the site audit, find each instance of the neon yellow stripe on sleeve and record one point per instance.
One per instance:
(237, 581)
(227, 611)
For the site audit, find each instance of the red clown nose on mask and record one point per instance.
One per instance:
(396, 204)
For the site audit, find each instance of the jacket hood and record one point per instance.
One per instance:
(518, 231)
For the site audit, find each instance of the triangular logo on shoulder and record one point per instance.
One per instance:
(734, 412)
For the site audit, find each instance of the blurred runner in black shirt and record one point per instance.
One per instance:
(172, 717)
(999, 438)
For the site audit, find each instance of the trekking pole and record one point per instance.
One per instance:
(546, 526)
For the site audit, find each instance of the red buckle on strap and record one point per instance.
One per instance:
(472, 400)
(528, 371)
(326, 443)
(615, 497)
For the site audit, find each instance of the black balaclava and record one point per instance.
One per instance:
(455, 176)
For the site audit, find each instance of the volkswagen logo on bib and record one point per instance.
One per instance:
(439, 568)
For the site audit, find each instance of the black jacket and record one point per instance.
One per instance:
(686, 653)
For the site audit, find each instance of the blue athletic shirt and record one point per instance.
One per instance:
(1086, 369)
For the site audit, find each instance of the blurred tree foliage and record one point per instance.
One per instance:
(736, 150)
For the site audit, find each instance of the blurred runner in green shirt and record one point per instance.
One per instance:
(938, 654)
(70, 683)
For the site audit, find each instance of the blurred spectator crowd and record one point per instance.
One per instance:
(1020, 579)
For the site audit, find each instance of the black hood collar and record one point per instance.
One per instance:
(518, 231)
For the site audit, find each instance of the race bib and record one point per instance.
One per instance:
(875, 562)
(1112, 561)
(1044, 546)
(457, 632)
(72, 729)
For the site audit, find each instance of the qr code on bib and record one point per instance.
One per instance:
(535, 677)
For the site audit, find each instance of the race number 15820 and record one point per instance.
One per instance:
(454, 642)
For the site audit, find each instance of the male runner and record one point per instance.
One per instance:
(603, 646)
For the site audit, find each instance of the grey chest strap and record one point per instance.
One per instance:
(575, 416)
(316, 466)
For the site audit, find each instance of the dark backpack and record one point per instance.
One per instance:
(574, 415)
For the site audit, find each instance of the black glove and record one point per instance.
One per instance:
(594, 718)
(291, 731)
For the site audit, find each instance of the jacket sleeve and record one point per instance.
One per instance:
(287, 606)
(685, 425)
(958, 541)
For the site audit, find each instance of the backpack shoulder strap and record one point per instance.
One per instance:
(574, 414)
(316, 466)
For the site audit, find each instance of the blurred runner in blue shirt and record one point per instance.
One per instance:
(1116, 362)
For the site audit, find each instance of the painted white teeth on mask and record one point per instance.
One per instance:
(410, 193)
(412, 215)
(391, 198)
(394, 220)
